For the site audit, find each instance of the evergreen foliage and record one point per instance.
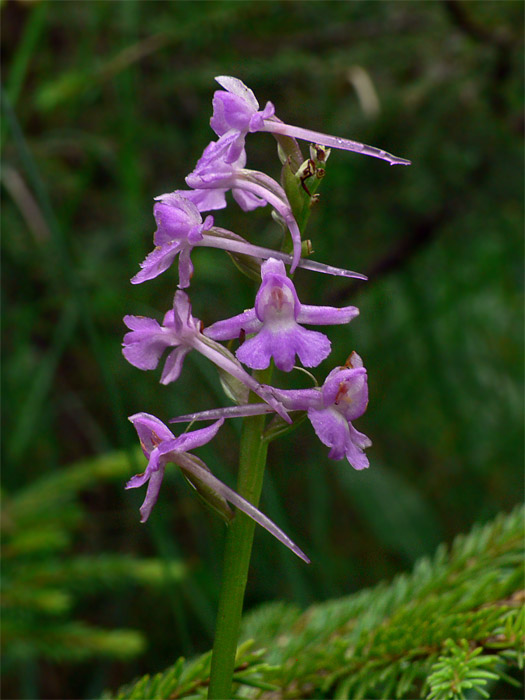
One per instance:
(44, 581)
(455, 624)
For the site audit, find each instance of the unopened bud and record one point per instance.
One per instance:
(319, 154)
(306, 248)
(306, 169)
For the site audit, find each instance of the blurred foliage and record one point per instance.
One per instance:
(47, 582)
(454, 624)
(106, 105)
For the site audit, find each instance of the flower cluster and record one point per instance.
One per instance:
(273, 330)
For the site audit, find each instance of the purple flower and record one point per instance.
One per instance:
(276, 320)
(147, 341)
(160, 447)
(330, 409)
(179, 228)
(236, 111)
(213, 176)
(344, 397)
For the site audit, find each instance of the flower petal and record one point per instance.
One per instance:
(145, 344)
(152, 494)
(347, 389)
(157, 262)
(283, 345)
(196, 438)
(246, 200)
(326, 315)
(173, 365)
(176, 216)
(332, 429)
(151, 431)
(355, 447)
(237, 87)
(206, 199)
(185, 268)
(232, 327)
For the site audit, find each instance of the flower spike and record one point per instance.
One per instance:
(236, 111)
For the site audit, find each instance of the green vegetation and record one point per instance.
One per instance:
(455, 623)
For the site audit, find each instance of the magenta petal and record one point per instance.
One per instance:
(157, 262)
(141, 323)
(151, 431)
(283, 345)
(311, 346)
(182, 310)
(230, 112)
(246, 200)
(173, 365)
(326, 315)
(332, 429)
(145, 355)
(137, 481)
(143, 347)
(176, 217)
(347, 389)
(256, 352)
(185, 268)
(152, 494)
(232, 327)
(196, 438)
(219, 122)
(344, 440)
(354, 449)
(236, 87)
(207, 199)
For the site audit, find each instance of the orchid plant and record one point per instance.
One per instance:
(271, 335)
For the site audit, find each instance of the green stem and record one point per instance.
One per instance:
(238, 548)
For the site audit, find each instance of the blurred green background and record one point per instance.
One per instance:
(106, 105)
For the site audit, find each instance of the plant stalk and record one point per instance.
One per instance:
(238, 548)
